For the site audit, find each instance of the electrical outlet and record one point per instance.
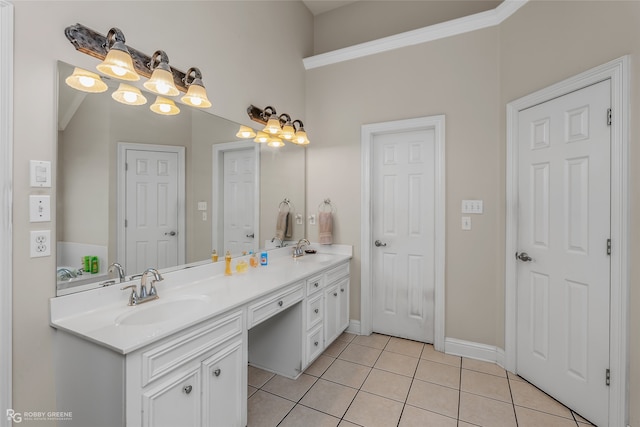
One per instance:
(40, 243)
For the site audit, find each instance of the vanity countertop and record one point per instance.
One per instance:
(96, 315)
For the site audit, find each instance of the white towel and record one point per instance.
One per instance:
(325, 228)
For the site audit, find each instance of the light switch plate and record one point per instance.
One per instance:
(472, 207)
(39, 208)
(466, 223)
(202, 206)
(40, 173)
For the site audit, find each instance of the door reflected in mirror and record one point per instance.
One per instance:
(145, 190)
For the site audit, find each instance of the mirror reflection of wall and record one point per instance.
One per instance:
(90, 127)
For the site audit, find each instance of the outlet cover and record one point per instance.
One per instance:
(39, 208)
(40, 243)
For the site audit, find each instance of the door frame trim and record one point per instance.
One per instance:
(618, 72)
(121, 196)
(368, 132)
(217, 196)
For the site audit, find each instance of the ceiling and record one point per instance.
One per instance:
(320, 6)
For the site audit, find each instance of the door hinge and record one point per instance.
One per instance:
(608, 377)
(608, 246)
(126, 223)
(126, 167)
(609, 116)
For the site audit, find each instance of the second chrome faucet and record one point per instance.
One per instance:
(143, 295)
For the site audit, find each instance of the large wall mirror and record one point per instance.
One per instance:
(222, 192)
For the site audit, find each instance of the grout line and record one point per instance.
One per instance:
(513, 404)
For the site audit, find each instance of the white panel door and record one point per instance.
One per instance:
(239, 190)
(564, 223)
(403, 228)
(151, 210)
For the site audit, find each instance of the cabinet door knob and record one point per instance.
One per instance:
(280, 303)
(342, 290)
(187, 389)
(335, 294)
(316, 311)
(315, 284)
(217, 372)
(315, 343)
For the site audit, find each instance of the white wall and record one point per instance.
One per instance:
(225, 39)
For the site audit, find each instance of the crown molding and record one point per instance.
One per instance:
(478, 21)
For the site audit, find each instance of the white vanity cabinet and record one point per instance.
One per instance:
(336, 302)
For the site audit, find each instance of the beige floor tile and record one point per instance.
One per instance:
(416, 417)
(258, 377)
(329, 397)
(303, 416)
(374, 340)
(346, 336)
(266, 410)
(429, 353)
(320, 365)
(345, 423)
(513, 377)
(486, 412)
(438, 373)
(251, 391)
(335, 348)
(530, 418)
(288, 388)
(527, 395)
(347, 373)
(369, 410)
(463, 424)
(434, 398)
(397, 363)
(406, 347)
(387, 384)
(482, 366)
(360, 354)
(580, 419)
(485, 385)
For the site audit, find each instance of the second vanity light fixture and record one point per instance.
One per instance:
(125, 63)
(277, 128)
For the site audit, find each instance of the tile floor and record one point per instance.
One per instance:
(379, 381)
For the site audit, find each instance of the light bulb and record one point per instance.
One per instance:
(87, 81)
(163, 88)
(164, 108)
(196, 101)
(130, 96)
(119, 71)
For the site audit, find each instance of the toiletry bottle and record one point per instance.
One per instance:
(227, 264)
(86, 261)
(94, 265)
(214, 256)
(264, 258)
(253, 261)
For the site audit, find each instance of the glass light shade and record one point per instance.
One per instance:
(161, 83)
(245, 132)
(262, 137)
(300, 137)
(86, 81)
(129, 95)
(196, 96)
(118, 64)
(287, 131)
(273, 125)
(275, 142)
(164, 106)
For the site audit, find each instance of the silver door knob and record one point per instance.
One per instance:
(187, 389)
(379, 243)
(523, 257)
(170, 233)
(251, 236)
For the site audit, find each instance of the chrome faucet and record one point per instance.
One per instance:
(143, 295)
(281, 245)
(297, 251)
(117, 267)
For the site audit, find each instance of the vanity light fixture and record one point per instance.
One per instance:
(161, 81)
(129, 95)
(262, 137)
(118, 62)
(196, 94)
(274, 141)
(86, 81)
(278, 126)
(245, 132)
(164, 106)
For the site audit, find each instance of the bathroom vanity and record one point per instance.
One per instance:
(182, 360)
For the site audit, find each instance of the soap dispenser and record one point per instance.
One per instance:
(214, 256)
(227, 264)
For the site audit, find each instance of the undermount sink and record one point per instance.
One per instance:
(159, 311)
(318, 258)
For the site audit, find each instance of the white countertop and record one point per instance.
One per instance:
(92, 314)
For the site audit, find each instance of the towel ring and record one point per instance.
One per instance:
(286, 203)
(327, 206)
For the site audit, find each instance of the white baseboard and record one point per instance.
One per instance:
(474, 350)
(354, 327)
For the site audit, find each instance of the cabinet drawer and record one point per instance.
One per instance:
(315, 311)
(337, 272)
(272, 304)
(170, 355)
(315, 344)
(315, 283)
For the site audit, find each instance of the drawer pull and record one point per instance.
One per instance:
(335, 294)
(187, 389)
(315, 343)
(217, 372)
(315, 284)
(342, 290)
(316, 311)
(280, 303)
